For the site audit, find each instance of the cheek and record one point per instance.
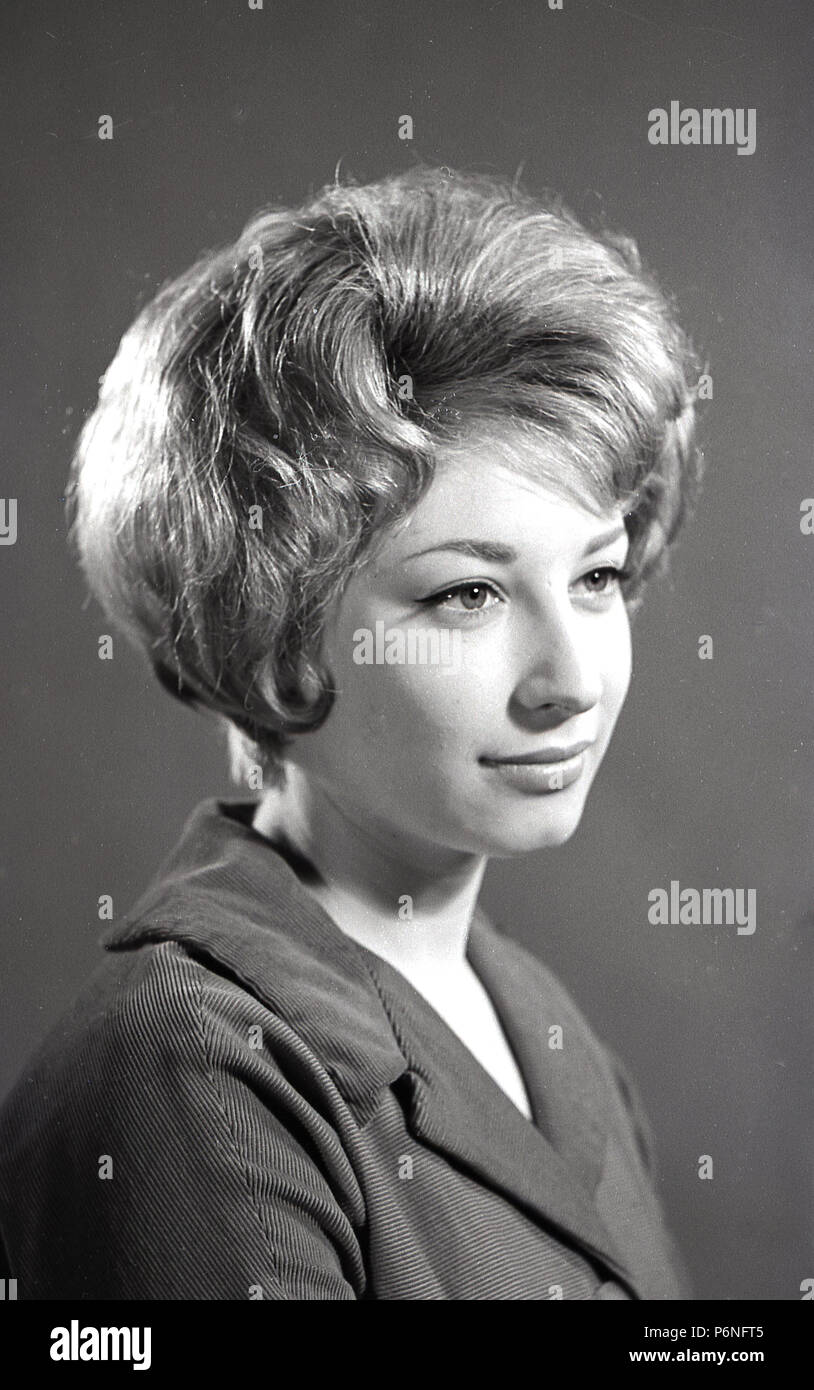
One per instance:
(617, 663)
(403, 703)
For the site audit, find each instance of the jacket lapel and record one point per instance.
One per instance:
(565, 1087)
(455, 1106)
(224, 893)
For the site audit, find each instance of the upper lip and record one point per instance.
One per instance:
(543, 755)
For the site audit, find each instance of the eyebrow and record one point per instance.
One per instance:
(497, 554)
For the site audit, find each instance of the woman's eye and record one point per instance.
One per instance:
(473, 597)
(603, 580)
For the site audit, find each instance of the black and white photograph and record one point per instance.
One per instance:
(407, 554)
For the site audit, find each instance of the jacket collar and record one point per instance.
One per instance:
(551, 1166)
(225, 893)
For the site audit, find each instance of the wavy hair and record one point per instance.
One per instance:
(282, 402)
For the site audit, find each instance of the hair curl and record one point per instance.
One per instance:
(282, 402)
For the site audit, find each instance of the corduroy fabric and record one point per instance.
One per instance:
(243, 1102)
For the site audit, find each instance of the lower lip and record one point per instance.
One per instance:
(540, 777)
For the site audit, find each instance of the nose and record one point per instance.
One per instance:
(563, 676)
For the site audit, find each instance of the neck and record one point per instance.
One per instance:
(409, 901)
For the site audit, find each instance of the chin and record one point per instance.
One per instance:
(530, 843)
(535, 829)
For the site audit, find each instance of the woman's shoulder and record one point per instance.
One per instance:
(147, 1029)
(225, 965)
(167, 1092)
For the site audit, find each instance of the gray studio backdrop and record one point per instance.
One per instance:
(218, 108)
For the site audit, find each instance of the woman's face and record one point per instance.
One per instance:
(533, 658)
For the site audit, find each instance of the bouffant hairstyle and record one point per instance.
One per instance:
(282, 403)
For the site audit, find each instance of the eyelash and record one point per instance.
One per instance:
(618, 576)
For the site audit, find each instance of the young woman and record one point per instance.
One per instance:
(379, 485)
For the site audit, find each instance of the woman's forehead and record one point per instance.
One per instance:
(484, 483)
(492, 514)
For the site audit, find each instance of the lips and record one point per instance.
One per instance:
(541, 755)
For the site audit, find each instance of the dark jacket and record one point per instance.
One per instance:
(245, 1103)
